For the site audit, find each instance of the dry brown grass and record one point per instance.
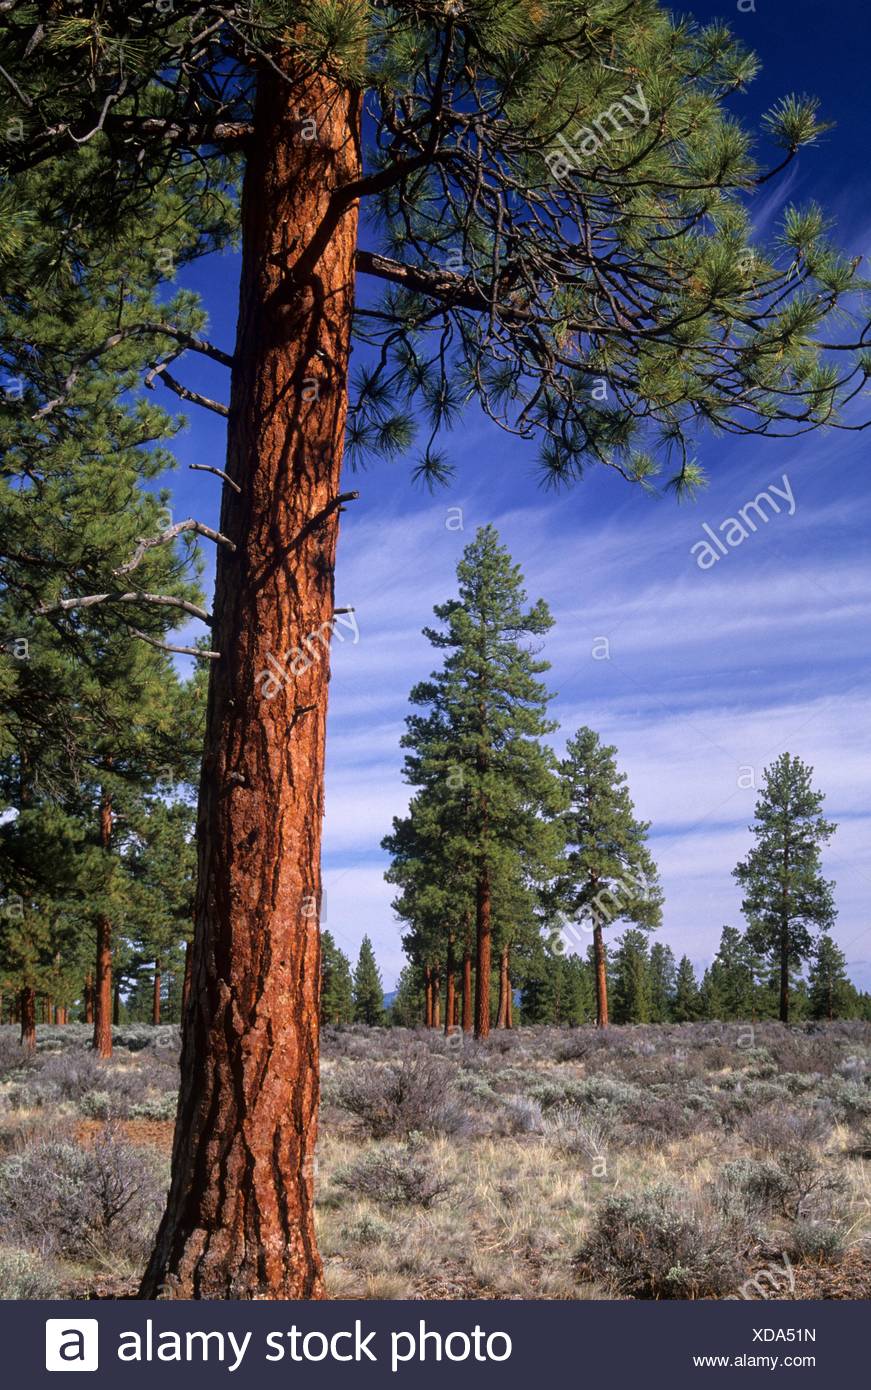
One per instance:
(551, 1126)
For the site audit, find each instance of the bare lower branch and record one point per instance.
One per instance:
(186, 394)
(148, 543)
(172, 647)
(219, 473)
(66, 605)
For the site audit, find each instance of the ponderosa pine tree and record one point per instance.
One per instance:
(368, 989)
(337, 996)
(477, 749)
(663, 972)
(687, 1006)
(786, 897)
(729, 984)
(607, 874)
(631, 992)
(830, 992)
(493, 132)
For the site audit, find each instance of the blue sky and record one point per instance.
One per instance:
(710, 673)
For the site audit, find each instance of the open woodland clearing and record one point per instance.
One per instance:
(691, 1161)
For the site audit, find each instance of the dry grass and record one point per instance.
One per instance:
(500, 1183)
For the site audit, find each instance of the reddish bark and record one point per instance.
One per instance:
(89, 998)
(103, 986)
(450, 988)
(482, 962)
(601, 977)
(28, 1018)
(503, 1012)
(239, 1221)
(467, 991)
(116, 1004)
(155, 1000)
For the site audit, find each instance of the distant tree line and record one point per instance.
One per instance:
(510, 864)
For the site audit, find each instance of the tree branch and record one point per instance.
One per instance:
(186, 394)
(66, 605)
(148, 543)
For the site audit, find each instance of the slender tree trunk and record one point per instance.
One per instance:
(427, 997)
(504, 988)
(601, 977)
(103, 987)
(89, 998)
(509, 1016)
(450, 1000)
(116, 1003)
(482, 962)
(784, 975)
(186, 982)
(155, 998)
(28, 1018)
(436, 998)
(240, 1220)
(468, 1022)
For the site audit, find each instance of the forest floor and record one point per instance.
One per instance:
(692, 1161)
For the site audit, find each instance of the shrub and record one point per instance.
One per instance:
(816, 1242)
(23, 1275)
(784, 1185)
(415, 1097)
(60, 1198)
(522, 1115)
(652, 1246)
(156, 1107)
(396, 1175)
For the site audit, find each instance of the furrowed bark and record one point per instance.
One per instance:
(504, 987)
(239, 1221)
(482, 962)
(103, 977)
(601, 977)
(467, 991)
(28, 1018)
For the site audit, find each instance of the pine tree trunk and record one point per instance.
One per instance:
(240, 1221)
(784, 975)
(449, 989)
(482, 961)
(509, 1018)
(601, 977)
(89, 998)
(436, 999)
(28, 1018)
(467, 991)
(427, 997)
(103, 977)
(504, 988)
(155, 1001)
(116, 1003)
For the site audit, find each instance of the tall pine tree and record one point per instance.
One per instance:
(479, 160)
(786, 897)
(607, 874)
